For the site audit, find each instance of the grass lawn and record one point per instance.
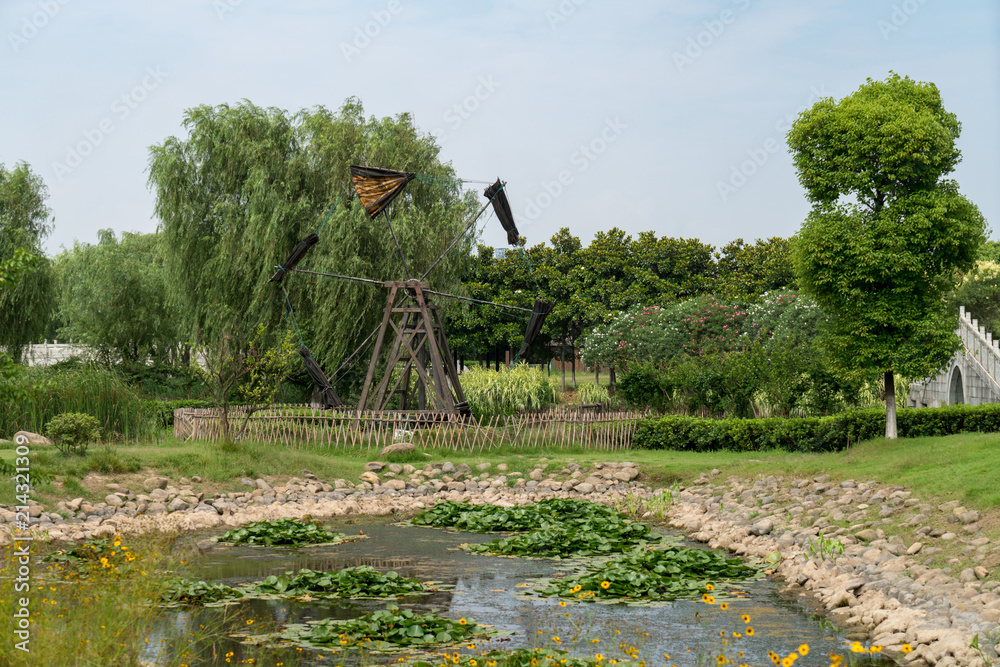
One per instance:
(959, 467)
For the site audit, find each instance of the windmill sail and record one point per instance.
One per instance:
(330, 398)
(497, 195)
(377, 188)
(539, 312)
(297, 254)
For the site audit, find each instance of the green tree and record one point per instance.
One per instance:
(247, 183)
(114, 298)
(746, 271)
(886, 234)
(26, 306)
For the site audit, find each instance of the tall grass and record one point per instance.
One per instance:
(518, 389)
(120, 409)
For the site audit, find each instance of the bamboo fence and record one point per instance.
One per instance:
(302, 426)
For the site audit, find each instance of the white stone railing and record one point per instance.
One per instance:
(980, 349)
(46, 354)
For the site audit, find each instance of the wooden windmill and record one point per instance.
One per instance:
(412, 329)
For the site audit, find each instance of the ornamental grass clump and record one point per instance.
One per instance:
(281, 533)
(511, 391)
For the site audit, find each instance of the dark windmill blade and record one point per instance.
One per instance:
(377, 188)
(326, 391)
(297, 254)
(539, 312)
(497, 195)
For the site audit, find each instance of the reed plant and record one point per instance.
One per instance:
(102, 393)
(511, 391)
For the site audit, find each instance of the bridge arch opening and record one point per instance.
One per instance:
(956, 392)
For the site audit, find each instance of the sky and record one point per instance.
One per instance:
(664, 115)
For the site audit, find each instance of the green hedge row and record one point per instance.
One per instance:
(809, 434)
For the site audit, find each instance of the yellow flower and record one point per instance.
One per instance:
(605, 585)
(462, 621)
(709, 587)
(598, 657)
(875, 649)
(906, 648)
(746, 618)
(856, 647)
(749, 632)
(562, 603)
(721, 660)
(723, 606)
(804, 650)
(556, 640)
(249, 621)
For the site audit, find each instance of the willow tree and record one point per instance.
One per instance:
(25, 221)
(247, 183)
(113, 298)
(887, 234)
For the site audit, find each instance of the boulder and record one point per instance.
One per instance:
(31, 439)
(155, 483)
(397, 448)
(374, 466)
(113, 500)
(370, 477)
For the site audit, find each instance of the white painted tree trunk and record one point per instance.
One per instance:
(890, 406)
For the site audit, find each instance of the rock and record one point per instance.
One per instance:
(971, 516)
(156, 508)
(113, 500)
(448, 467)
(262, 484)
(762, 527)
(484, 466)
(981, 572)
(397, 448)
(626, 474)
(867, 535)
(370, 477)
(74, 504)
(503, 467)
(584, 487)
(536, 475)
(176, 505)
(914, 548)
(246, 481)
(375, 466)
(395, 485)
(31, 439)
(196, 479)
(155, 483)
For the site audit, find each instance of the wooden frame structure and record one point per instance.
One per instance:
(421, 347)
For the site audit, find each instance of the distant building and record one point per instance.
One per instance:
(971, 375)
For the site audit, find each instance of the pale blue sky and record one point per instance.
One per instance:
(647, 110)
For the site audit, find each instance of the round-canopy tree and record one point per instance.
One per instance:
(886, 234)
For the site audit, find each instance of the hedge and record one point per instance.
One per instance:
(809, 434)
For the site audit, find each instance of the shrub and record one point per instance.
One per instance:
(809, 434)
(71, 432)
(518, 389)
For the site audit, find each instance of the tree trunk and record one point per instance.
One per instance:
(597, 376)
(562, 363)
(890, 406)
(612, 387)
(573, 361)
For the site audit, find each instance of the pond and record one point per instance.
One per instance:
(492, 590)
